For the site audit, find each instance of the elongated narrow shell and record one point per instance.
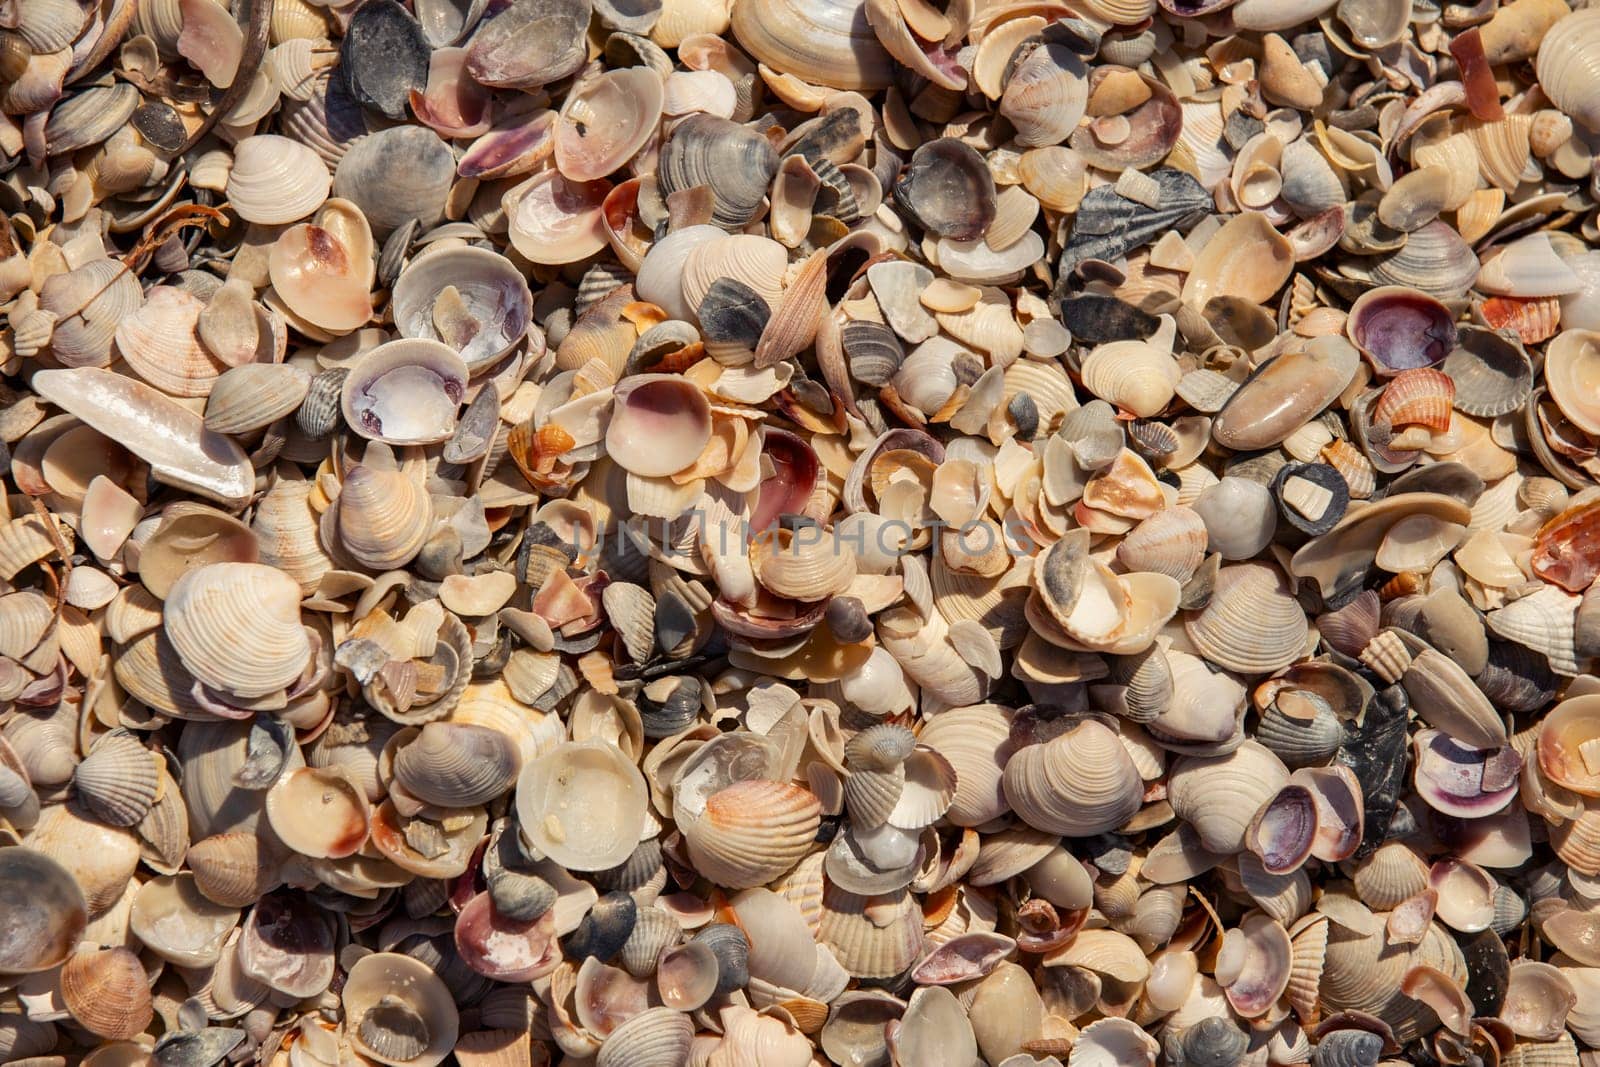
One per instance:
(1079, 784)
(753, 831)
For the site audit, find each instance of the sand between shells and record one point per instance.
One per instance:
(786, 532)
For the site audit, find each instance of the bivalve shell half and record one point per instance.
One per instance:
(1252, 623)
(1078, 784)
(583, 804)
(398, 1012)
(107, 993)
(753, 831)
(214, 612)
(276, 180)
(405, 392)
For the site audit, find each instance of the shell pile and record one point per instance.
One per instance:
(770, 533)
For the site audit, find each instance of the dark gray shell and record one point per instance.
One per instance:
(397, 175)
(1319, 474)
(383, 57)
(735, 161)
(632, 873)
(948, 189)
(1213, 1042)
(733, 313)
(603, 931)
(1108, 225)
(319, 414)
(668, 705)
(529, 44)
(732, 950)
(874, 352)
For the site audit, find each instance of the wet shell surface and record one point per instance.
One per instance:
(889, 533)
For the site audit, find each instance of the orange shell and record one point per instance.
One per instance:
(1532, 319)
(1566, 550)
(1418, 397)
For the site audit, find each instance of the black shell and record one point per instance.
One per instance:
(1109, 225)
(1320, 474)
(1095, 319)
(948, 189)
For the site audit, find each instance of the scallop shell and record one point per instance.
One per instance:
(753, 831)
(118, 781)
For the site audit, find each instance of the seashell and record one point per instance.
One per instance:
(604, 929)
(1434, 260)
(605, 121)
(456, 765)
(1251, 624)
(319, 812)
(213, 610)
(592, 832)
(118, 780)
(404, 392)
(752, 831)
(1565, 59)
(656, 1037)
(1212, 793)
(49, 906)
(1569, 731)
(949, 190)
(1079, 784)
(276, 180)
(397, 1011)
(383, 58)
(1247, 258)
(1046, 92)
(396, 175)
(659, 425)
(175, 921)
(1135, 376)
(736, 162)
(1527, 267)
(832, 44)
(872, 937)
(106, 992)
(253, 396)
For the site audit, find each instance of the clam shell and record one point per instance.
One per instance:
(118, 780)
(831, 43)
(455, 765)
(872, 937)
(214, 611)
(254, 396)
(1079, 784)
(107, 993)
(590, 832)
(276, 180)
(752, 831)
(1251, 624)
(1566, 62)
(1218, 795)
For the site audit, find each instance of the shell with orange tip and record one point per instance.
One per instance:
(1421, 396)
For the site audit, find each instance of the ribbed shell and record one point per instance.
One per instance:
(1079, 784)
(878, 946)
(656, 1037)
(753, 831)
(118, 781)
(286, 532)
(107, 993)
(231, 869)
(236, 627)
(384, 517)
(1252, 624)
(972, 739)
(654, 930)
(1219, 795)
(1171, 542)
(455, 765)
(252, 396)
(1300, 742)
(1569, 66)
(870, 795)
(1390, 875)
(275, 180)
